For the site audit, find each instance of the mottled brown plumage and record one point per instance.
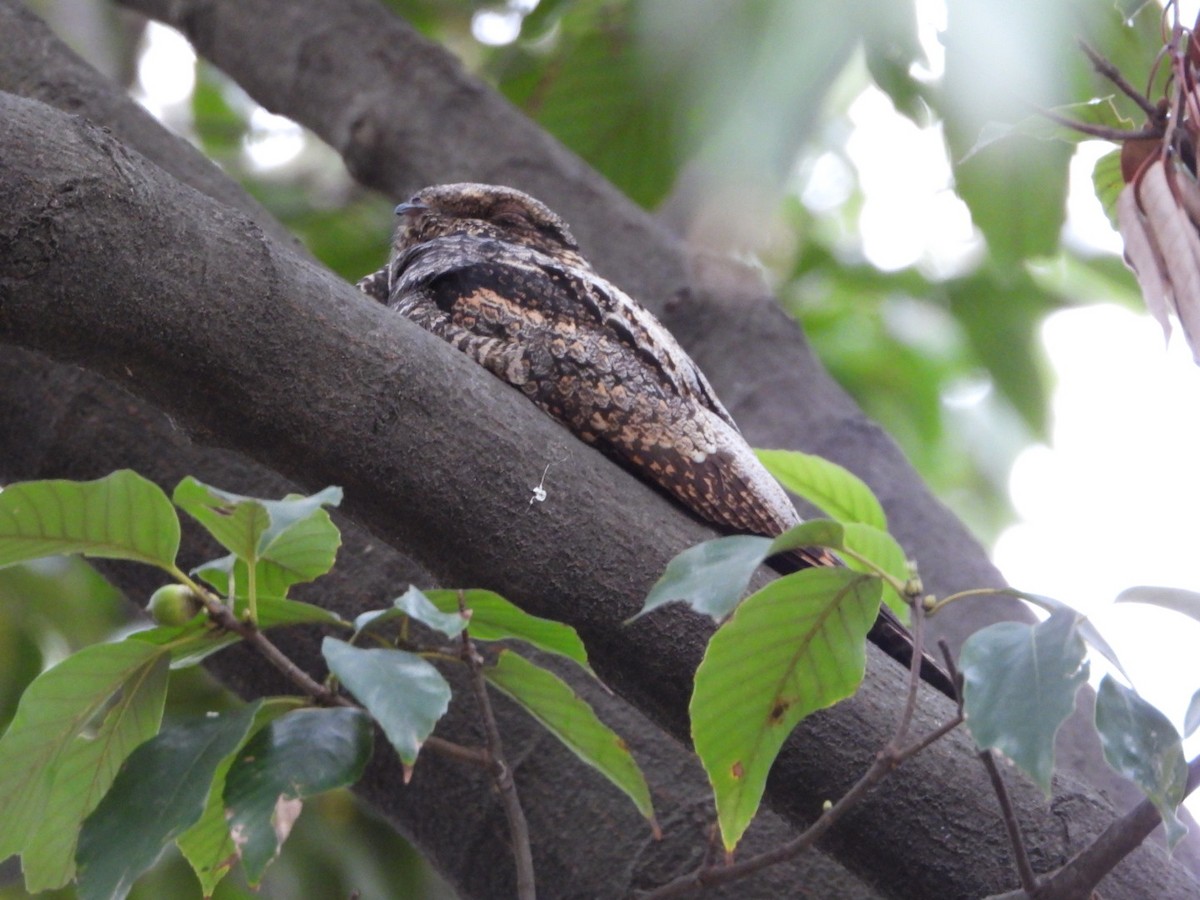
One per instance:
(499, 276)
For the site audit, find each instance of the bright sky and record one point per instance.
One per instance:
(1112, 501)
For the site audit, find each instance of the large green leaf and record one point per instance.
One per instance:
(207, 845)
(404, 693)
(712, 576)
(790, 649)
(157, 795)
(295, 535)
(86, 771)
(881, 550)
(495, 619)
(238, 523)
(297, 755)
(37, 748)
(1020, 685)
(1140, 743)
(569, 718)
(834, 490)
(121, 516)
(1083, 625)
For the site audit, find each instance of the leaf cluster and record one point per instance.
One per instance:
(95, 783)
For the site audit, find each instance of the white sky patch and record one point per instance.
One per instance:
(166, 71)
(1087, 226)
(273, 141)
(1113, 502)
(910, 214)
(501, 25)
(931, 22)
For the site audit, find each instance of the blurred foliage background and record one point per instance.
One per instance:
(834, 143)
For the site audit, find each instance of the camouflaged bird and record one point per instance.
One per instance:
(499, 276)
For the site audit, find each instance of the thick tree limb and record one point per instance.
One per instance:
(220, 326)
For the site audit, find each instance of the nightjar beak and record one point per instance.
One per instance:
(411, 209)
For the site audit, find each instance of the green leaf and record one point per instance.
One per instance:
(881, 549)
(790, 649)
(207, 845)
(188, 644)
(1016, 189)
(495, 619)
(415, 604)
(276, 612)
(296, 756)
(1086, 628)
(121, 516)
(238, 523)
(836, 491)
(404, 693)
(711, 577)
(551, 701)
(1020, 685)
(157, 795)
(1108, 182)
(86, 771)
(37, 748)
(1177, 599)
(294, 537)
(1140, 743)
(274, 608)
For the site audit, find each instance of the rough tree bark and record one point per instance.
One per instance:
(83, 212)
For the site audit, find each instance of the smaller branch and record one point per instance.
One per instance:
(1080, 876)
(501, 773)
(475, 756)
(1113, 74)
(952, 671)
(914, 670)
(1029, 880)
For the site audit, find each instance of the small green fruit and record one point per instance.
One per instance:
(173, 604)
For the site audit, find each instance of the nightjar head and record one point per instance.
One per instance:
(485, 211)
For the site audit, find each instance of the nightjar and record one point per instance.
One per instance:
(499, 276)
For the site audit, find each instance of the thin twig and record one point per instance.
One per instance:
(1079, 876)
(914, 671)
(1113, 74)
(1116, 135)
(1029, 880)
(887, 760)
(224, 618)
(501, 774)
